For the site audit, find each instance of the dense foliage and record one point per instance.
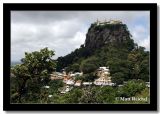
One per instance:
(124, 64)
(126, 59)
(127, 62)
(32, 74)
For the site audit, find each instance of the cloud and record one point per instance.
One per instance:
(64, 31)
(141, 35)
(145, 43)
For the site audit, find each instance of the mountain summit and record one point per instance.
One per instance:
(108, 43)
(102, 33)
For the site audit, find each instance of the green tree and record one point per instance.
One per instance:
(13, 89)
(35, 69)
(74, 68)
(88, 96)
(54, 85)
(73, 96)
(139, 64)
(132, 87)
(89, 77)
(105, 94)
(89, 65)
(118, 78)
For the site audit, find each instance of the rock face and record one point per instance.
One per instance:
(113, 34)
(100, 35)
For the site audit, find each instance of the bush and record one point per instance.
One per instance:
(89, 65)
(55, 84)
(118, 78)
(131, 88)
(105, 94)
(89, 77)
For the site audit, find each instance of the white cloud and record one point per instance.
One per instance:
(145, 43)
(141, 36)
(63, 37)
(64, 31)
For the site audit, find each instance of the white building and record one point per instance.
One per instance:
(56, 75)
(104, 77)
(47, 87)
(50, 95)
(115, 22)
(78, 83)
(66, 89)
(120, 85)
(87, 83)
(72, 75)
(103, 71)
(76, 74)
(70, 82)
(108, 22)
(103, 81)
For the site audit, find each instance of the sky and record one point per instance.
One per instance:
(64, 31)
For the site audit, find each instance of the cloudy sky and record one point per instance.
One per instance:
(64, 31)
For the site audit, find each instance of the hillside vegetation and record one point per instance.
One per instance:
(109, 45)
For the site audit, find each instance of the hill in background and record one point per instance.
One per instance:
(108, 44)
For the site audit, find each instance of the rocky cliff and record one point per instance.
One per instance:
(108, 35)
(100, 35)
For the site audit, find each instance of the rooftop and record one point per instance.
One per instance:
(108, 22)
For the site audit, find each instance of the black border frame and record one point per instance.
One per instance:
(8, 7)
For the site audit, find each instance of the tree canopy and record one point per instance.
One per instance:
(34, 70)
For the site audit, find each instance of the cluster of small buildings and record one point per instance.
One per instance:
(104, 79)
(56, 76)
(70, 79)
(66, 89)
(108, 22)
(103, 74)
